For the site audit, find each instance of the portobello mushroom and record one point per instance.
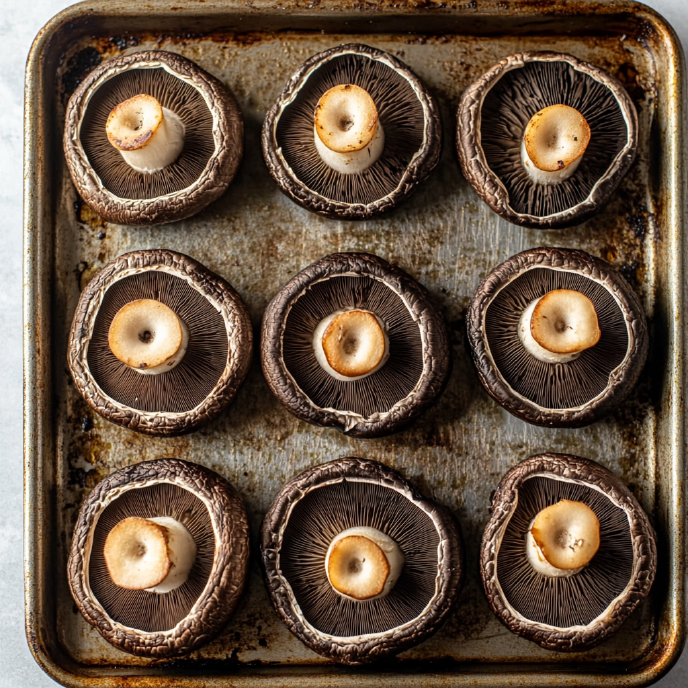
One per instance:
(558, 338)
(151, 138)
(357, 564)
(140, 518)
(355, 343)
(159, 344)
(353, 133)
(545, 139)
(559, 596)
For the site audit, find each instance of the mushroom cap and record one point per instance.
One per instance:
(204, 382)
(382, 403)
(210, 158)
(348, 631)
(407, 112)
(535, 80)
(626, 560)
(581, 391)
(144, 623)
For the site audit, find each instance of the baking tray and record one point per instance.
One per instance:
(444, 236)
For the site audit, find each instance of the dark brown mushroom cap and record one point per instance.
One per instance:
(488, 140)
(639, 535)
(595, 383)
(444, 556)
(207, 378)
(207, 164)
(225, 582)
(408, 113)
(383, 402)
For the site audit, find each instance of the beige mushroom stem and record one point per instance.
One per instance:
(148, 136)
(148, 336)
(347, 132)
(559, 326)
(562, 539)
(363, 563)
(351, 344)
(553, 144)
(152, 554)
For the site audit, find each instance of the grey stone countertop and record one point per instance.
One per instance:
(19, 23)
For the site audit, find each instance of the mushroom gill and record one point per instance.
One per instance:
(376, 392)
(194, 377)
(141, 609)
(174, 95)
(401, 116)
(564, 601)
(506, 112)
(323, 514)
(554, 385)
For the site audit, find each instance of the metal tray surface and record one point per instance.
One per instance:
(444, 236)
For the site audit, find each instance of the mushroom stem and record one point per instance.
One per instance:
(148, 336)
(152, 554)
(148, 136)
(553, 144)
(351, 344)
(562, 539)
(347, 132)
(363, 563)
(559, 326)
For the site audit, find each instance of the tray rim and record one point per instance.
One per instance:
(38, 432)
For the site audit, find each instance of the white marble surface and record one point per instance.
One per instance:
(19, 23)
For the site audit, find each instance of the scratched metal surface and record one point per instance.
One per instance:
(447, 239)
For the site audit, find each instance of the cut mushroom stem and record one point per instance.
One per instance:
(553, 144)
(363, 563)
(152, 554)
(148, 136)
(562, 539)
(351, 344)
(348, 134)
(148, 336)
(559, 326)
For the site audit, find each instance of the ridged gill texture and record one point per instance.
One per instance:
(578, 599)
(519, 95)
(175, 95)
(326, 512)
(554, 385)
(376, 393)
(189, 383)
(149, 611)
(400, 113)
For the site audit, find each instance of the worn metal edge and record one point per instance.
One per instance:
(37, 385)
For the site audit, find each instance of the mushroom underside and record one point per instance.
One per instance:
(328, 510)
(521, 93)
(376, 393)
(140, 609)
(193, 379)
(554, 385)
(184, 100)
(581, 598)
(400, 113)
